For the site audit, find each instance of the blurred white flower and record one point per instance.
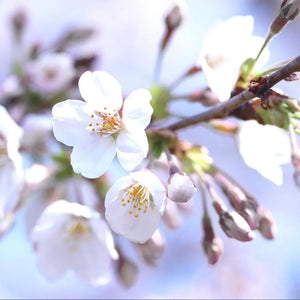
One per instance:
(11, 170)
(43, 188)
(91, 126)
(264, 148)
(50, 73)
(224, 50)
(134, 205)
(37, 134)
(11, 87)
(72, 236)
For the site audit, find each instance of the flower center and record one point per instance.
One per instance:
(214, 60)
(105, 122)
(77, 226)
(138, 197)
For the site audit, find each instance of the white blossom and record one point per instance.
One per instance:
(134, 205)
(95, 129)
(50, 73)
(264, 148)
(72, 236)
(225, 48)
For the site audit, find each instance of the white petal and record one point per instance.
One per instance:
(12, 132)
(52, 257)
(117, 188)
(264, 148)
(103, 233)
(99, 89)
(52, 253)
(11, 183)
(132, 148)
(71, 119)
(93, 156)
(92, 261)
(136, 229)
(137, 110)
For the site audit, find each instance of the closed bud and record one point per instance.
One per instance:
(172, 217)
(213, 249)
(212, 245)
(180, 187)
(289, 9)
(153, 249)
(235, 226)
(176, 15)
(18, 21)
(249, 212)
(267, 225)
(127, 272)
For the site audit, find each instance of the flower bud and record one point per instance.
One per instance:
(289, 9)
(18, 21)
(180, 187)
(213, 249)
(235, 226)
(153, 249)
(175, 16)
(171, 216)
(127, 272)
(212, 245)
(249, 212)
(267, 225)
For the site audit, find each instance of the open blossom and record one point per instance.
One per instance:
(11, 170)
(97, 131)
(224, 50)
(50, 73)
(73, 236)
(264, 148)
(134, 205)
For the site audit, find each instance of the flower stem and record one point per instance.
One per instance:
(267, 40)
(157, 68)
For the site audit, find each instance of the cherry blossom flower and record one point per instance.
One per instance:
(73, 236)
(225, 48)
(264, 148)
(95, 128)
(134, 205)
(50, 73)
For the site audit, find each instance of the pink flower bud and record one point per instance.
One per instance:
(153, 249)
(267, 225)
(249, 212)
(213, 249)
(175, 16)
(235, 226)
(212, 245)
(180, 187)
(172, 217)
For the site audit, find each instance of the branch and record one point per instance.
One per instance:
(224, 109)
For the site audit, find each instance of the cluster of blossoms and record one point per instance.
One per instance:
(76, 213)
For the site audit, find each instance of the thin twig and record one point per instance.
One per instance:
(224, 109)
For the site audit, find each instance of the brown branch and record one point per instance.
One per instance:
(224, 109)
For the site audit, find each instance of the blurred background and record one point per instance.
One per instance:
(129, 33)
